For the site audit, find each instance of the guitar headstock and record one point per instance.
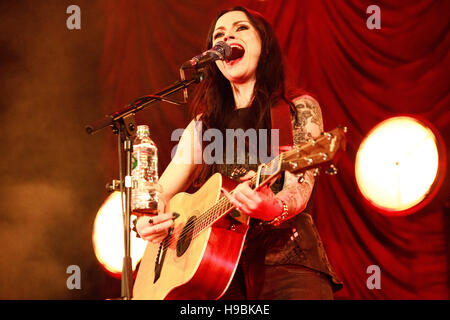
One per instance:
(314, 153)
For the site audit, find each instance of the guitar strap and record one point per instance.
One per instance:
(280, 116)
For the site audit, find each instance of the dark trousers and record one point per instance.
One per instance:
(281, 282)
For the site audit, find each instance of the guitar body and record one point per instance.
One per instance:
(201, 269)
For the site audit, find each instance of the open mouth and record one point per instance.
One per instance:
(237, 52)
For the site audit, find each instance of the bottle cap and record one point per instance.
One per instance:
(143, 130)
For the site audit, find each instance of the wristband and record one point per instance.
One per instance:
(277, 220)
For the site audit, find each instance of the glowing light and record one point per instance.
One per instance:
(107, 237)
(397, 164)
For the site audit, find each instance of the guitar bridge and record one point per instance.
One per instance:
(161, 255)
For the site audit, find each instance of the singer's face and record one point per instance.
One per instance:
(236, 30)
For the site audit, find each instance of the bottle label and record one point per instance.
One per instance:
(134, 162)
(145, 175)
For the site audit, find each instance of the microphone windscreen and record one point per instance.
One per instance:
(223, 48)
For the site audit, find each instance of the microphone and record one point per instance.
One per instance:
(221, 51)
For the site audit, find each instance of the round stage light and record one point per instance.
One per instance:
(397, 165)
(108, 237)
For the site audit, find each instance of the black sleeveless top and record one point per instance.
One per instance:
(295, 241)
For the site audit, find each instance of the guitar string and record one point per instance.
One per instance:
(205, 219)
(202, 222)
(211, 214)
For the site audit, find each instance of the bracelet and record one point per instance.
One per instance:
(277, 220)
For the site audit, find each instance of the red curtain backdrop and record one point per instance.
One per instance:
(360, 77)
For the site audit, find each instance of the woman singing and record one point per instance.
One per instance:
(283, 256)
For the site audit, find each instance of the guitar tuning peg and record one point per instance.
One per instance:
(316, 172)
(301, 178)
(332, 170)
(293, 165)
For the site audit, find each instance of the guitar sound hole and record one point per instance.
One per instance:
(185, 237)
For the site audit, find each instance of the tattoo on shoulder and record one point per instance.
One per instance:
(308, 111)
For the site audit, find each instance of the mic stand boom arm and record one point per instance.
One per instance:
(141, 103)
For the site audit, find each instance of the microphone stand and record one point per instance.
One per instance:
(124, 124)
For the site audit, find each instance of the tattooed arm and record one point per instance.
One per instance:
(306, 125)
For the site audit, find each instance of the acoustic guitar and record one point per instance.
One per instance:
(198, 258)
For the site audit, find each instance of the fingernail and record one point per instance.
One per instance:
(175, 215)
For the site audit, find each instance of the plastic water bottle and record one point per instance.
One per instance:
(145, 197)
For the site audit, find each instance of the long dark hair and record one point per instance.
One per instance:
(214, 97)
